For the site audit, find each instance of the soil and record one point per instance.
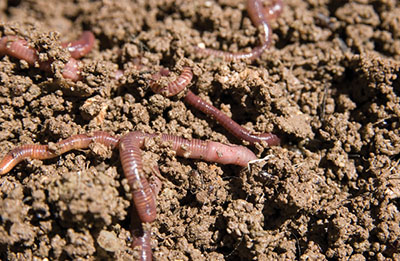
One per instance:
(328, 86)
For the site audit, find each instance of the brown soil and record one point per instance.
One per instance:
(328, 86)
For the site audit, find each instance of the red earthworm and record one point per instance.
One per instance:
(143, 194)
(229, 124)
(141, 237)
(20, 49)
(260, 14)
(201, 105)
(79, 141)
(210, 151)
(131, 160)
(173, 87)
(260, 17)
(82, 46)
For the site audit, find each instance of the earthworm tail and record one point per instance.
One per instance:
(260, 16)
(131, 160)
(79, 141)
(228, 123)
(234, 128)
(173, 87)
(81, 46)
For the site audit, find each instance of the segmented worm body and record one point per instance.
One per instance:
(20, 49)
(141, 237)
(173, 87)
(238, 131)
(79, 141)
(260, 16)
(229, 124)
(144, 192)
(131, 159)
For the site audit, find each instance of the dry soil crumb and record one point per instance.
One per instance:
(329, 87)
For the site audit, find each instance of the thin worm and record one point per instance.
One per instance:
(173, 87)
(79, 141)
(260, 17)
(229, 124)
(20, 49)
(180, 84)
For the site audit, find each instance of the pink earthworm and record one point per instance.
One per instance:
(260, 17)
(143, 193)
(131, 160)
(81, 46)
(201, 105)
(142, 237)
(229, 124)
(20, 49)
(273, 10)
(79, 141)
(173, 87)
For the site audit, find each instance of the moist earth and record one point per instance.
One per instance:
(328, 87)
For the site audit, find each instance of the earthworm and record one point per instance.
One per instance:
(260, 17)
(173, 87)
(82, 46)
(229, 124)
(260, 14)
(142, 237)
(131, 160)
(210, 151)
(79, 141)
(198, 103)
(20, 49)
(143, 193)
